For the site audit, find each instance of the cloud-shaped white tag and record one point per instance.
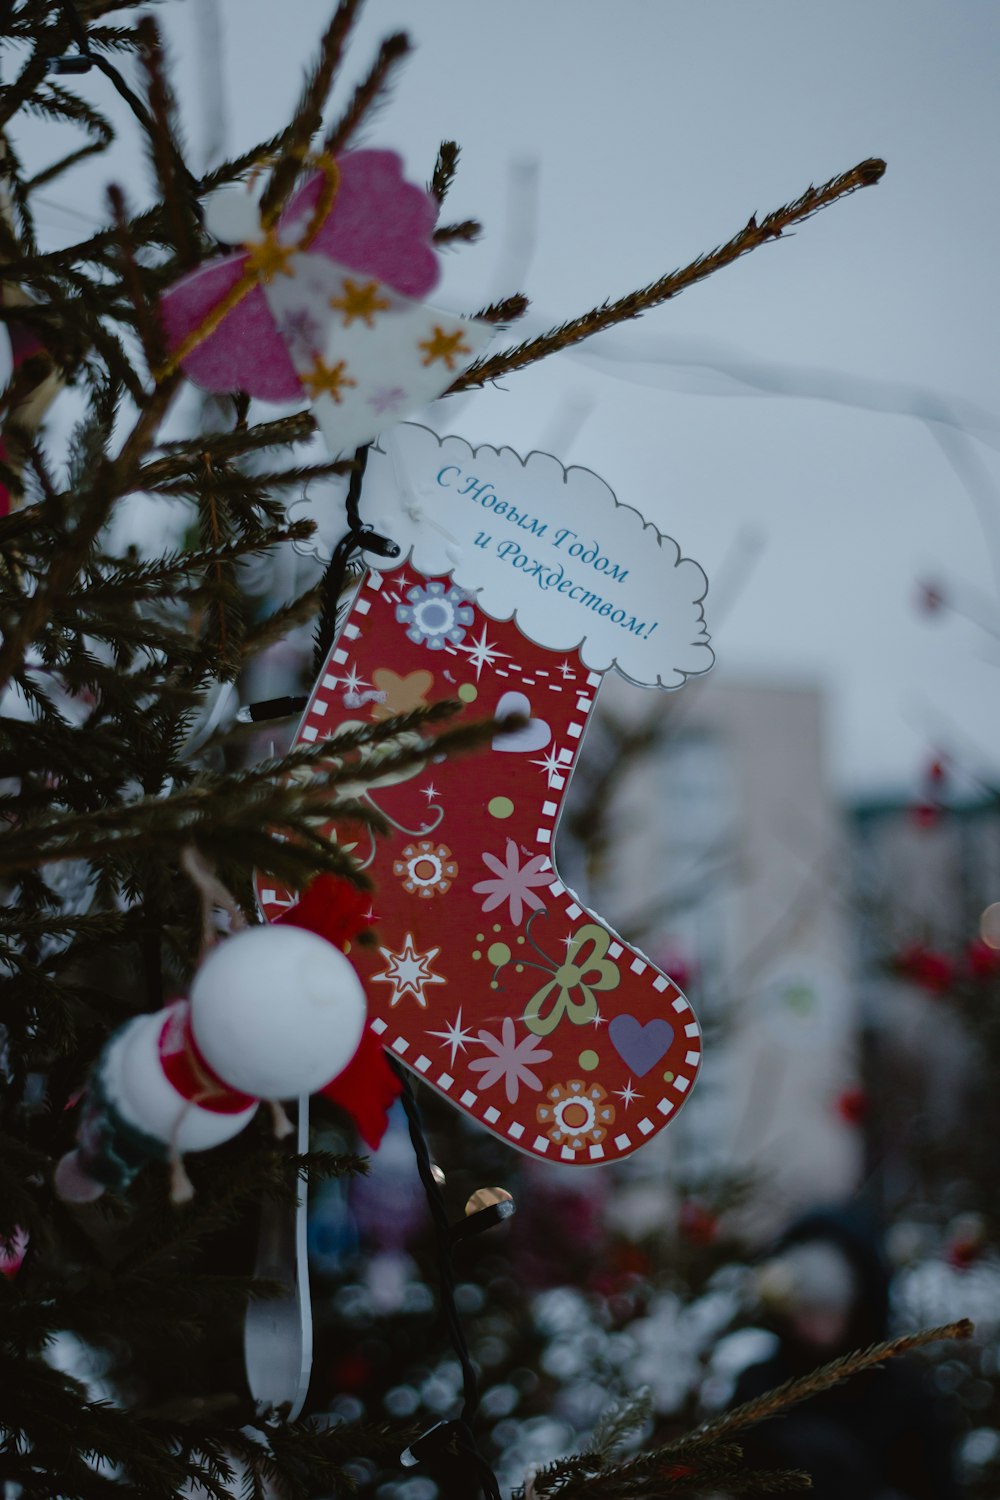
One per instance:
(550, 546)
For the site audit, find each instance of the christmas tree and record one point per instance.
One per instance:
(138, 808)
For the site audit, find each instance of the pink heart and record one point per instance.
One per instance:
(534, 736)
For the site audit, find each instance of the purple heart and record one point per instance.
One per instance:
(640, 1047)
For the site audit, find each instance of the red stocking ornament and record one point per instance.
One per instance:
(488, 978)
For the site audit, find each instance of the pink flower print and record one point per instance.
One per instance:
(514, 882)
(302, 332)
(509, 1060)
(386, 399)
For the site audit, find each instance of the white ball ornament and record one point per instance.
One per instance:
(277, 1011)
(147, 1099)
(134, 1112)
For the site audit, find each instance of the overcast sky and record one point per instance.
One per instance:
(653, 130)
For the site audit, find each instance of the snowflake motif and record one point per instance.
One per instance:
(576, 1113)
(435, 614)
(509, 1060)
(514, 882)
(426, 869)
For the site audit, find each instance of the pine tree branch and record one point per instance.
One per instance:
(115, 478)
(252, 807)
(58, 103)
(507, 310)
(369, 93)
(771, 1403)
(308, 116)
(466, 232)
(609, 314)
(279, 624)
(165, 153)
(444, 170)
(236, 483)
(147, 326)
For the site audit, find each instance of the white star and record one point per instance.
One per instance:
(568, 940)
(454, 1037)
(402, 582)
(566, 669)
(353, 682)
(483, 654)
(409, 972)
(627, 1094)
(550, 764)
(430, 791)
(598, 1020)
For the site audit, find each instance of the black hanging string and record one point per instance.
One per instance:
(357, 537)
(86, 58)
(449, 1450)
(460, 1433)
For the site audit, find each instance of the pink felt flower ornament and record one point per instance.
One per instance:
(324, 303)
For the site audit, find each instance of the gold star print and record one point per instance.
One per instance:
(359, 302)
(327, 380)
(446, 346)
(268, 257)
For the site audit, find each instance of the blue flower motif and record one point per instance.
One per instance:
(435, 614)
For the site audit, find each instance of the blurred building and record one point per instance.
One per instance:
(702, 826)
(926, 883)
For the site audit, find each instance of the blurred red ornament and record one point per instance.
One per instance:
(981, 961)
(961, 1254)
(966, 1241)
(852, 1105)
(696, 1222)
(629, 1260)
(335, 909)
(930, 599)
(351, 1373)
(673, 962)
(933, 972)
(930, 808)
(12, 1253)
(925, 814)
(936, 773)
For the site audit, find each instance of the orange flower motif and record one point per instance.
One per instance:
(443, 346)
(359, 300)
(400, 695)
(426, 869)
(327, 380)
(576, 1114)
